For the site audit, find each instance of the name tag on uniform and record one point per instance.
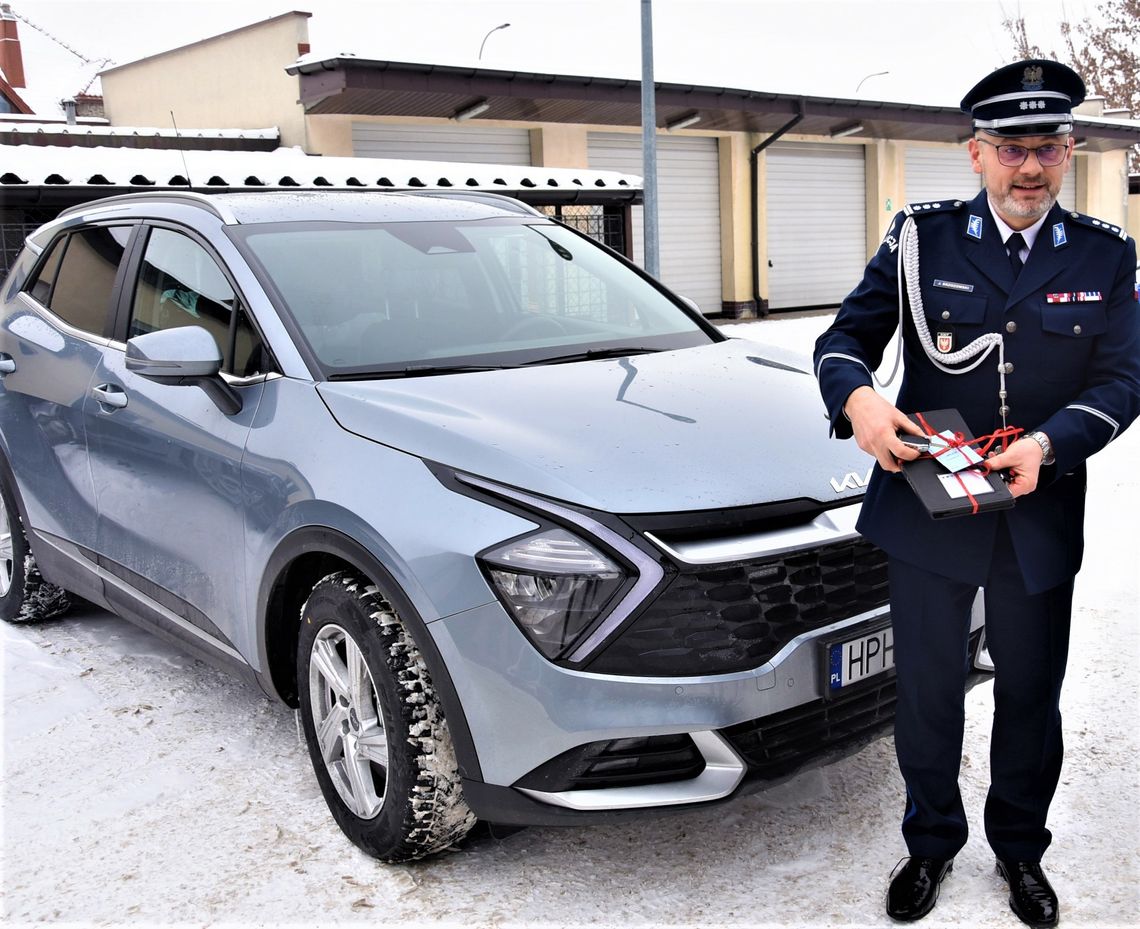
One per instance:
(954, 285)
(1075, 296)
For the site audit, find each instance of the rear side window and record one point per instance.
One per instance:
(40, 288)
(85, 278)
(180, 284)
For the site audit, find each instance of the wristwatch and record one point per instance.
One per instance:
(1047, 457)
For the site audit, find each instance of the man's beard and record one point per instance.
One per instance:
(1006, 202)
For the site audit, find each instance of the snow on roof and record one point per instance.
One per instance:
(34, 165)
(87, 126)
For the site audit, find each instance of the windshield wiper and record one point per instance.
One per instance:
(591, 354)
(424, 370)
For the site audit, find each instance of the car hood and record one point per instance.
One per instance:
(728, 424)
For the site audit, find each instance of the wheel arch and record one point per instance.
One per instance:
(300, 560)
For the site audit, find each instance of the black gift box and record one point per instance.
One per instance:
(924, 475)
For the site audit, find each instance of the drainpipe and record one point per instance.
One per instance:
(754, 165)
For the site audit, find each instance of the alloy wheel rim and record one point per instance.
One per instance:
(347, 721)
(7, 555)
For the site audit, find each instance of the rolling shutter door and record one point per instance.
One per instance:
(469, 145)
(816, 236)
(1068, 196)
(688, 189)
(934, 174)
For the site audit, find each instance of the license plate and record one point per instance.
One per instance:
(859, 658)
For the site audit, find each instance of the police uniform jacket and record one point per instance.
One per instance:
(1072, 352)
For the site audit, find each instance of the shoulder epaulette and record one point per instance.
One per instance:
(936, 206)
(1100, 224)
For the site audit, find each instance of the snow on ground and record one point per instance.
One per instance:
(142, 788)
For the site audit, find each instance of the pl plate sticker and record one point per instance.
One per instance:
(971, 481)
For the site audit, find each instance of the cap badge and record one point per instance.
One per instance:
(1033, 78)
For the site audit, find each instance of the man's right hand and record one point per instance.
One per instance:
(876, 424)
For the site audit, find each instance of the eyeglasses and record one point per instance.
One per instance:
(1048, 156)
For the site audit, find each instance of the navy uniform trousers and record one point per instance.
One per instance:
(1071, 341)
(1028, 640)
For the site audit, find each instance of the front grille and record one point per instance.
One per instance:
(656, 759)
(775, 746)
(734, 617)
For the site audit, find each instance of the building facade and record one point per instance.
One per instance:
(746, 179)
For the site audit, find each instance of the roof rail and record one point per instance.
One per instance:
(491, 199)
(189, 197)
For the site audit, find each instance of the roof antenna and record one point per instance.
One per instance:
(181, 151)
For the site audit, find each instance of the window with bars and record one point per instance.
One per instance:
(606, 224)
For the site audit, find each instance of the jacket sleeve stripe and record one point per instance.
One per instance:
(839, 355)
(1108, 419)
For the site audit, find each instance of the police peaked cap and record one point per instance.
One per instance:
(1033, 97)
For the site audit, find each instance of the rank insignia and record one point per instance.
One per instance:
(1059, 237)
(945, 342)
(974, 228)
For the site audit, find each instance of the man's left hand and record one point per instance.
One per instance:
(1023, 461)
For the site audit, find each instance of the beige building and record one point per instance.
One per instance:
(746, 179)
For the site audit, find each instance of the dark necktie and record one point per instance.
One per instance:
(1014, 244)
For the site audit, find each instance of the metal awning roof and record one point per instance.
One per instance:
(29, 173)
(348, 85)
(91, 133)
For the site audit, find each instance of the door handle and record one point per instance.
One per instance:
(110, 397)
(7, 364)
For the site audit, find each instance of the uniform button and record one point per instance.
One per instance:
(1007, 367)
(945, 314)
(1076, 330)
(1011, 326)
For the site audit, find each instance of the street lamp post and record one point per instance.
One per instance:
(487, 36)
(868, 77)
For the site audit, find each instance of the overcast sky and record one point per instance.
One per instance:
(933, 50)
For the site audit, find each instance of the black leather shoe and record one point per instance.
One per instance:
(914, 890)
(1031, 897)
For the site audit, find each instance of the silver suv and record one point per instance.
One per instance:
(523, 536)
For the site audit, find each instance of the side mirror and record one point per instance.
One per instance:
(188, 351)
(185, 355)
(689, 301)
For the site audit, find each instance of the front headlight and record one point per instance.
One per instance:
(553, 584)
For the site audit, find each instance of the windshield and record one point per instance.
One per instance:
(389, 297)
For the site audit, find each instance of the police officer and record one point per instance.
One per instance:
(1057, 287)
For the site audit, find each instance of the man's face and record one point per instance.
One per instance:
(1024, 193)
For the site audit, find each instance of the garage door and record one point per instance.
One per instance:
(815, 241)
(688, 192)
(933, 174)
(469, 145)
(938, 173)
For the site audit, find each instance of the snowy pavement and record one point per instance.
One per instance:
(142, 788)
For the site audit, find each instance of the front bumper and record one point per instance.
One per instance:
(751, 728)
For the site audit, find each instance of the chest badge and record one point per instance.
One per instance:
(945, 342)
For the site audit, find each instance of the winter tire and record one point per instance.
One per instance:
(24, 595)
(374, 726)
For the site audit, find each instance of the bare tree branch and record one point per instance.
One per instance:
(1104, 49)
